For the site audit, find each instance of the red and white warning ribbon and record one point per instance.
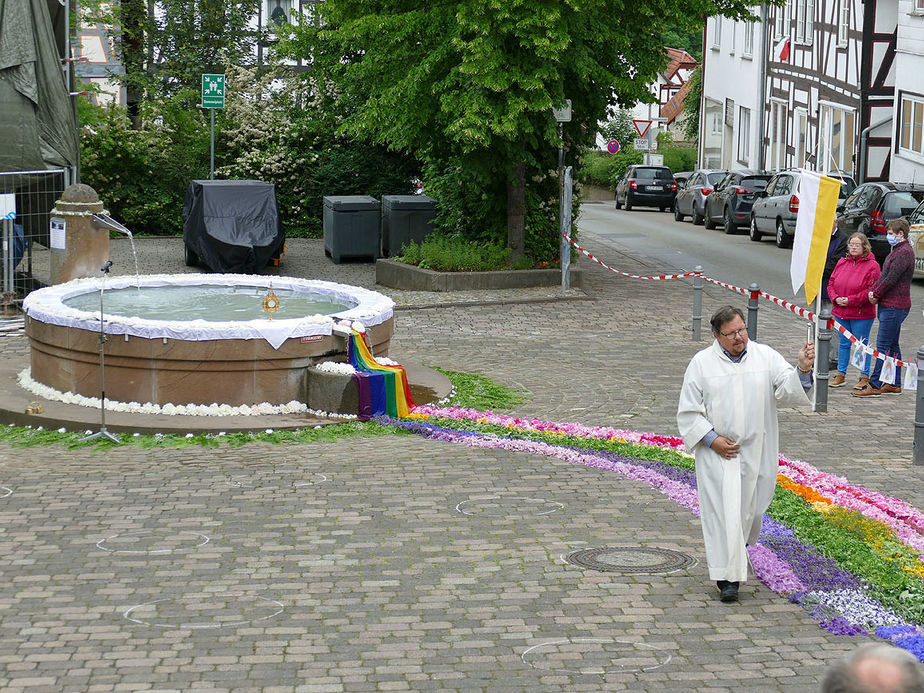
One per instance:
(625, 274)
(792, 307)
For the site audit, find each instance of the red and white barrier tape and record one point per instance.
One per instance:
(626, 274)
(792, 307)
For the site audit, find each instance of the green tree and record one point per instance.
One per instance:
(692, 105)
(166, 45)
(470, 85)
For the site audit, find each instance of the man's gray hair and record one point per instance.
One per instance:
(844, 676)
(723, 315)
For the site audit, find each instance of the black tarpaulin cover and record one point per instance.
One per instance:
(38, 126)
(232, 225)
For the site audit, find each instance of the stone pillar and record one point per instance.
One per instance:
(79, 246)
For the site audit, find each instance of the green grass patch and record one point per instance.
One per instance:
(477, 391)
(454, 253)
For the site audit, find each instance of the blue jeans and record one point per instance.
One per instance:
(858, 328)
(890, 328)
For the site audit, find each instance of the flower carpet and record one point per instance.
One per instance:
(852, 558)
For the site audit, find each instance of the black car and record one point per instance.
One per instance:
(872, 205)
(775, 209)
(691, 199)
(732, 198)
(646, 186)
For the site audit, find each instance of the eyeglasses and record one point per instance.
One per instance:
(736, 333)
(854, 245)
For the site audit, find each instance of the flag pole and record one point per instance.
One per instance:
(815, 342)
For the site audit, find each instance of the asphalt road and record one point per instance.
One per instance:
(734, 259)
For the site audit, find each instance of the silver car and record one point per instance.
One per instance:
(691, 200)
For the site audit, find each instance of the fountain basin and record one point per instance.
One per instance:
(194, 361)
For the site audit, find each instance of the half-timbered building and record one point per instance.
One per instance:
(813, 85)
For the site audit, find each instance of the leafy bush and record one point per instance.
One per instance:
(142, 175)
(454, 253)
(602, 168)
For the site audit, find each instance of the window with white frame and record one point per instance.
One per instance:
(744, 135)
(918, 7)
(836, 139)
(782, 23)
(747, 45)
(801, 137)
(732, 38)
(712, 134)
(278, 12)
(777, 134)
(911, 125)
(843, 23)
(716, 33)
(805, 21)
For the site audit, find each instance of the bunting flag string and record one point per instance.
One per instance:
(792, 307)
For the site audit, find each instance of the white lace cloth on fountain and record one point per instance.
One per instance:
(47, 305)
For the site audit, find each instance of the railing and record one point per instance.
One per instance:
(35, 195)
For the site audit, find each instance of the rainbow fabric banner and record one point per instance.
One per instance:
(388, 391)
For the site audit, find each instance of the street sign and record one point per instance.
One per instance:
(612, 146)
(640, 143)
(8, 206)
(563, 115)
(213, 91)
(641, 126)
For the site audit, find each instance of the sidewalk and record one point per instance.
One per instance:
(348, 567)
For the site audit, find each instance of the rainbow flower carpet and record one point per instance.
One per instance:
(852, 558)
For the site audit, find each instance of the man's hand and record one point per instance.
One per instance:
(725, 447)
(872, 298)
(807, 356)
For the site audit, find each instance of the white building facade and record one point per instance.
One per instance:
(908, 113)
(733, 94)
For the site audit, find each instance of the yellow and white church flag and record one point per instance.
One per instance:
(814, 223)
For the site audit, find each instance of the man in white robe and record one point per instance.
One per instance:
(727, 417)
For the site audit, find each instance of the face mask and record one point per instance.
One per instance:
(893, 239)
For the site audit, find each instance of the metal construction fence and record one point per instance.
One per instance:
(35, 194)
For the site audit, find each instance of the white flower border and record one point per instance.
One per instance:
(47, 305)
(294, 407)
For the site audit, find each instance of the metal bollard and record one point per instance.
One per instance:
(698, 304)
(822, 354)
(752, 310)
(918, 445)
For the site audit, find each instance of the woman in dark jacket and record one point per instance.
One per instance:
(848, 289)
(892, 293)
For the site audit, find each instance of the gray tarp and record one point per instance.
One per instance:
(38, 127)
(232, 225)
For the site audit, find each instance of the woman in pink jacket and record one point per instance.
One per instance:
(848, 290)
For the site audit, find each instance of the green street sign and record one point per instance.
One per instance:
(213, 91)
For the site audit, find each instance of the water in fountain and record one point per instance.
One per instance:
(209, 303)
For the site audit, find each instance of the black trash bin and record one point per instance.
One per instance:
(352, 226)
(405, 218)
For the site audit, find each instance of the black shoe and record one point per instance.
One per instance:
(728, 591)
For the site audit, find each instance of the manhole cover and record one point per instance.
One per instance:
(631, 559)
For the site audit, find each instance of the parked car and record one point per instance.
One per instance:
(775, 209)
(916, 238)
(691, 199)
(872, 205)
(732, 198)
(646, 186)
(682, 177)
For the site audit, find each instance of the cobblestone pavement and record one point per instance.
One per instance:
(403, 564)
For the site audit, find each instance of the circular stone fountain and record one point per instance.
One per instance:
(215, 344)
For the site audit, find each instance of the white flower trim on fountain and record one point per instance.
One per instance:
(27, 383)
(335, 367)
(47, 305)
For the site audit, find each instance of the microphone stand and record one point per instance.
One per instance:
(102, 433)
